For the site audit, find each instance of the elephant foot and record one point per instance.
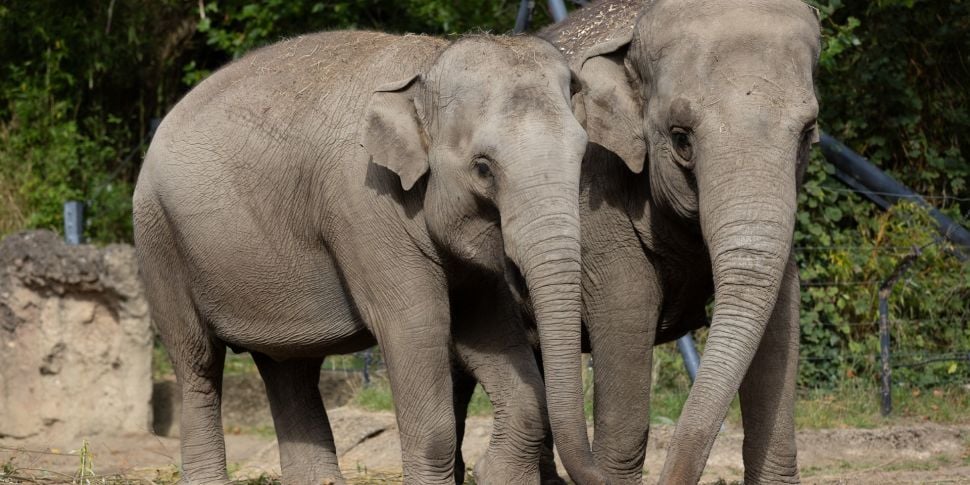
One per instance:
(324, 475)
(208, 481)
(785, 477)
(489, 471)
(332, 478)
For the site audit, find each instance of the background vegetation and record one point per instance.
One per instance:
(81, 82)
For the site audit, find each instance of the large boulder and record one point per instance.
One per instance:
(75, 340)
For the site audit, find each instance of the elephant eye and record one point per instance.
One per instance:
(682, 145)
(482, 167)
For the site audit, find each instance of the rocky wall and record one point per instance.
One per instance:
(75, 340)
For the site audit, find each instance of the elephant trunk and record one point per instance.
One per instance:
(542, 239)
(747, 214)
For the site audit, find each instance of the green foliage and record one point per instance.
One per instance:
(375, 397)
(70, 113)
(889, 84)
(856, 404)
(233, 27)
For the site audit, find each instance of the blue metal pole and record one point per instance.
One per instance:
(557, 8)
(882, 188)
(74, 222)
(368, 357)
(688, 351)
(524, 16)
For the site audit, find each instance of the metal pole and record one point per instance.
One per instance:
(688, 351)
(524, 16)
(882, 188)
(884, 338)
(557, 8)
(74, 222)
(367, 360)
(886, 373)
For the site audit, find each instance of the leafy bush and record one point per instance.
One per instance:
(890, 88)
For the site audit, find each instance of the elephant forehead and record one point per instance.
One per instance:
(509, 94)
(763, 59)
(727, 24)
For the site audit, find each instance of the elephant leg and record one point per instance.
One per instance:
(622, 309)
(203, 443)
(768, 393)
(197, 357)
(416, 350)
(463, 386)
(307, 451)
(493, 346)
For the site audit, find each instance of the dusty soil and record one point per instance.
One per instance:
(370, 452)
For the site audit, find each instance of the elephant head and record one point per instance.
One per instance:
(488, 135)
(715, 98)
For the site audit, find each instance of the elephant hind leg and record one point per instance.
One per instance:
(198, 361)
(203, 443)
(197, 357)
(307, 451)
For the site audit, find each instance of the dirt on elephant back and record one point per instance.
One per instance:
(370, 453)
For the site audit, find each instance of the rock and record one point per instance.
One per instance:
(75, 340)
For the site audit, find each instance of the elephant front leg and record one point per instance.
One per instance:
(622, 308)
(492, 345)
(307, 451)
(415, 345)
(768, 393)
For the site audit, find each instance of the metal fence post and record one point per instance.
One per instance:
(557, 8)
(524, 16)
(688, 351)
(74, 222)
(884, 337)
(368, 356)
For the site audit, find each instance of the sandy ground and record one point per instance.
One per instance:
(370, 452)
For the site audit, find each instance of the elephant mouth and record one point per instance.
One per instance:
(516, 282)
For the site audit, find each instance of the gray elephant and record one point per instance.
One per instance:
(700, 116)
(346, 187)
(700, 120)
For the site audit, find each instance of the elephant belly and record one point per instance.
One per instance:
(279, 300)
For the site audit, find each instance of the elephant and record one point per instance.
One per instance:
(700, 116)
(344, 188)
(700, 121)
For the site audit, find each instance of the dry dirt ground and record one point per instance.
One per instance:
(370, 453)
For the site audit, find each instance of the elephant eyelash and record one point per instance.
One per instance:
(482, 165)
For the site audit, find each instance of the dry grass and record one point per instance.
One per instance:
(12, 218)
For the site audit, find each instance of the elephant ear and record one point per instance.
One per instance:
(393, 134)
(609, 107)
